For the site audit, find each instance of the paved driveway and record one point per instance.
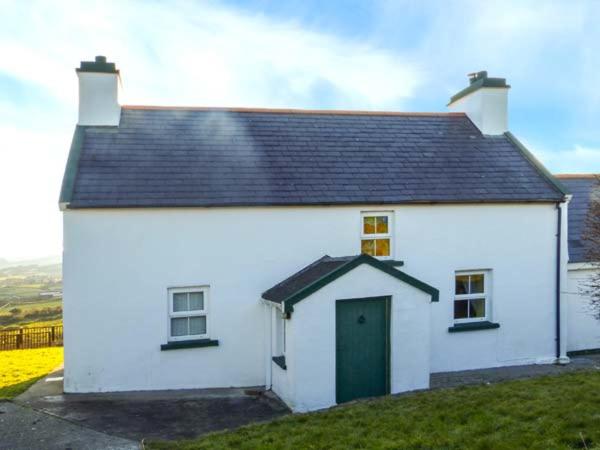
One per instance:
(128, 417)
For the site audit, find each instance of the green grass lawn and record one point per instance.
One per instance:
(557, 412)
(19, 369)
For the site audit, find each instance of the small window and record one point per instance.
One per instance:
(470, 297)
(188, 311)
(376, 234)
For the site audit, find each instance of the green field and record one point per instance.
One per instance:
(30, 295)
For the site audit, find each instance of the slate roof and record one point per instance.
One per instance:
(305, 277)
(583, 188)
(169, 157)
(327, 269)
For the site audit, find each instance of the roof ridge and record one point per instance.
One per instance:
(341, 112)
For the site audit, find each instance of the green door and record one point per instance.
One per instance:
(362, 348)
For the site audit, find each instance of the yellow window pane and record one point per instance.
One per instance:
(382, 225)
(367, 246)
(382, 247)
(368, 225)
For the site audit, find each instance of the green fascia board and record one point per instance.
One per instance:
(68, 183)
(538, 166)
(481, 83)
(344, 269)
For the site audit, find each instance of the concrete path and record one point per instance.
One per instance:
(497, 374)
(22, 428)
(161, 415)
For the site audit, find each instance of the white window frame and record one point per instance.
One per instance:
(280, 332)
(199, 313)
(388, 235)
(485, 295)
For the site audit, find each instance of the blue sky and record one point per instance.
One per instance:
(378, 55)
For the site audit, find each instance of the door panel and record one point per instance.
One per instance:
(362, 348)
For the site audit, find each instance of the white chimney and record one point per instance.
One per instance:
(485, 101)
(98, 93)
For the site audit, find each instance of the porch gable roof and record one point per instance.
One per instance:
(327, 269)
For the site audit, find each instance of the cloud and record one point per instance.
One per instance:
(201, 53)
(576, 160)
(175, 53)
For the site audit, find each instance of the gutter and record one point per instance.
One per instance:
(558, 269)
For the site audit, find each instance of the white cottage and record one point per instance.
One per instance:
(326, 255)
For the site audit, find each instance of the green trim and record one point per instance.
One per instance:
(190, 344)
(394, 262)
(536, 164)
(280, 361)
(473, 326)
(589, 351)
(68, 183)
(99, 65)
(347, 267)
(480, 80)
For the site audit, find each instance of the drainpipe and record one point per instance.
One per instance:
(558, 272)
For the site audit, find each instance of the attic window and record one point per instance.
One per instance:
(376, 234)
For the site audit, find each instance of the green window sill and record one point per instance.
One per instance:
(190, 344)
(280, 361)
(473, 326)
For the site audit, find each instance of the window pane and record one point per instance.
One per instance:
(367, 246)
(462, 284)
(180, 302)
(198, 325)
(196, 301)
(461, 309)
(382, 224)
(477, 307)
(476, 284)
(382, 247)
(368, 225)
(179, 326)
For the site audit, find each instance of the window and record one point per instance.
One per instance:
(188, 310)
(376, 234)
(470, 296)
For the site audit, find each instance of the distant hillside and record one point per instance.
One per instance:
(53, 271)
(47, 260)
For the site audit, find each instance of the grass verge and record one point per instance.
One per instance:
(556, 412)
(19, 369)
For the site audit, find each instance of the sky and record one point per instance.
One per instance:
(370, 55)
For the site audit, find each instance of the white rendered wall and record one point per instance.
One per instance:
(118, 265)
(583, 328)
(99, 99)
(487, 108)
(309, 382)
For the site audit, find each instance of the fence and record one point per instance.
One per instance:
(34, 337)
